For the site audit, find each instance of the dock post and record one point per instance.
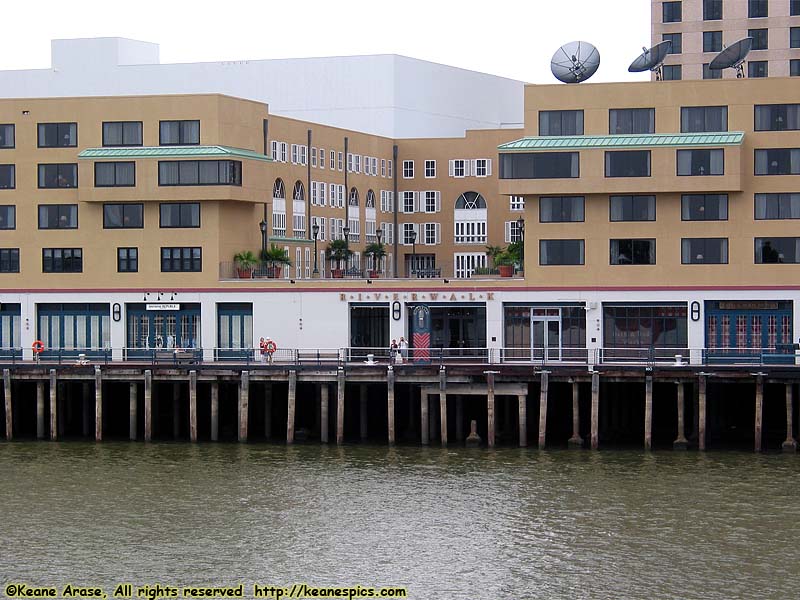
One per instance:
(544, 384)
(244, 404)
(390, 404)
(98, 404)
(424, 426)
(291, 404)
(193, 405)
(267, 411)
(214, 410)
(575, 441)
(363, 412)
(522, 400)
(443, 405)
(53, 405)
(148, 405)
(40, 410)
(759, 411)
(680, 442)
(86, 417)
(595, 410)
(490, 409)
(790, 445)
(132, 411)
(7, 394)
(459, 418)
(701, 413)
(648, 412)
(176, 410)
(340, 406)
(324, 410)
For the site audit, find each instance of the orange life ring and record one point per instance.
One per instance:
(38, 347)
(270, 347)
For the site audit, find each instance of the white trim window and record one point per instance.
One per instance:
(482, 167)
(358, 163)
(313, 156)
(333, 160)
(388, 233)
(513, 232)
(387, 201)
(299, 226)
(516, 203)
(279, 224)
(284, 151)
(407, 229)
(303, 155)
(390, 167)
(459, 167)
(433, 202)
(322, 158)
(350, 160)
(295, 154)
(298, 263)
(322, 222)
(409, 202)
(355, 230)
(308, 263)
(321, 191)
(374, 166)
(467, 262)
(314, 185)
(430, 169)
(274, 146)
(470, 217)
(408, 169)
(340, 160)
(383, 167)
(433, 234)
(369, 232)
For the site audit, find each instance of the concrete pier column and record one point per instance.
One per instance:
(522, 400)
(267, 411)
(291, 406)
(148, 405)
(132, 411)
(193, 405)
(423, 419)
(459, 419)
(680, 442)
(390, 405)
(214, 410)
(575, 441)
(443, 405)
(324, 410)
(363, 412)
(759, 411)
(340, 406)
(544, 384)
(244, 404)
(53, 405)
(701, 412)
(98, 404)
(790, 445)
(648, 412)
(40, 410)
(176, 410)
(86, 414)
(595, 434)
(9, 407)
(490, 404)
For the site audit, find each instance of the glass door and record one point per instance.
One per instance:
(546, 338)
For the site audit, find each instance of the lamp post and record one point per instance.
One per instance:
(263, 227)
(521, 231)
(379, 235)
(413, 236)
(346, 232)
(315, 233)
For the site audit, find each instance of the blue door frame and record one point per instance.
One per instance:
(153, 330)
(235, 331)
(10, 331)
(759, 331)
(70, 329)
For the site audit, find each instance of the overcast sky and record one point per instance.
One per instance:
(510, 38)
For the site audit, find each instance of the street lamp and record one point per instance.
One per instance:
(263, 227)
(346, 232)
(413, 236)
(379, 235)
(315, 233)
(521, 231)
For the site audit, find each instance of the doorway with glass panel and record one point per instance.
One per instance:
(546, 334)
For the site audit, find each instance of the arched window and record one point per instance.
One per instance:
(470, 201)
(278, 190)
(470, 219)
(370, 201)
(299, 192)
(353, 201)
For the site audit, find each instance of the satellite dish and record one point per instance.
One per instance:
(575, 62)
(650, 60)
(733, 57)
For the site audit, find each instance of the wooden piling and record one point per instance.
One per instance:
(595, 410)
(7, 394)
(267, 411)
(53, 405)
(701, 412)
(490, 404)
(759, 411)
(363, 412)
(575, 441)
(423, 418)
(790, 445)
(98, 404)
(680, 442)
(40, 410)
(443, 405)
(648, 412)
(291, 406)
(214, 410)
(522, 400)
(390, 404)
(193, 405)
(148, 405)
(244, 404)
(132, 410)
(324, 411)
(340, 389)
(544, 384)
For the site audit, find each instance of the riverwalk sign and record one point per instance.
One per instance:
(417, 296)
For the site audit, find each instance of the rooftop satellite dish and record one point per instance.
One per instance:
(575, 62)
(733, 57)
(650, 60)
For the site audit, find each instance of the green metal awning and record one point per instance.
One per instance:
(658, 140)
(171, 152)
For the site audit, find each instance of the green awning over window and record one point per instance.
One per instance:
(171, 152)
(654, 140)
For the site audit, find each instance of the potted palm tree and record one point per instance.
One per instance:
(338, 251)
(275, 258)
(377, 250)
(245, 261)
(504, 261)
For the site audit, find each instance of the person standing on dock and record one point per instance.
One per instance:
(403, 348)
(393, 351)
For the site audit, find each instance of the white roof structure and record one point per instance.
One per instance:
(384, 94)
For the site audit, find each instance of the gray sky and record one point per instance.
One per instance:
(510, 38)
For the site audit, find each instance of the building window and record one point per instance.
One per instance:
(632, 208)
(561, 209)
(671, 12)
(181, 260)
(794, 37)
(561, 252)
(672, 72)
(648, 326)
(8, 179)
(677, 42)
(62, 260)
(122, 133)
(704, 207)
(433, 202)
(179, 133)
(432, 233)
(777, 117)
(408, 169)
(115, 174)
(777, 250)
(712, 41)
(409, 202)
(483, 167)
(631, 120)
(712, 10)
(459, 167)
(701, 162)
(709, 73)
(704, 251)
(777, 206)
(560, 122)
(757, 68)
(58, 216)
(513, 232)
(516, 203)
(8, 216)
(760, 38)
(200, 172)
(699, 119)
(628, 163)
(778, 161)
(7, 137)
(58, 135)
(179, 214)
(313, 157)
(794, 7)
(430, 168)
(123, 216)
(409, 234)
(757, 8)
(633, 252)
(794, 67)
(9, 260)
(58, 176)
(470, 216)
(127, 260)
(540, 165)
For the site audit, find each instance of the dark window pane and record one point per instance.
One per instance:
(632, 208)
(677, 42)
(561, 122)
(57, 135)
(628, 163)
(9, 260)
(539, 165)
(712, 41)
(711, 73)
(179, 133)
(777, 117)
(777, 250)
(633, 252)
(561, 252)
(58, 216)
(7, 136)
(672, 72)
(757, 68)
(699, 119)
(8, 217)
(777, 161)
(123, 216)
(671, 12)
(701, 162)
(631, 120)
(704, 251)
(7, 177)
(704, 207)
(777, 206)
(58, 176)
(757, 8)
(712, 10)
(760, 38)
(561, 209)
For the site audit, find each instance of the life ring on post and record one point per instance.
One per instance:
(270, 347)
(38, 347)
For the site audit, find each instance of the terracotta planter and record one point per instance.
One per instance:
(374, 275)
(244, 273)
(274, 272)
(506, 270)
(337, 273)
